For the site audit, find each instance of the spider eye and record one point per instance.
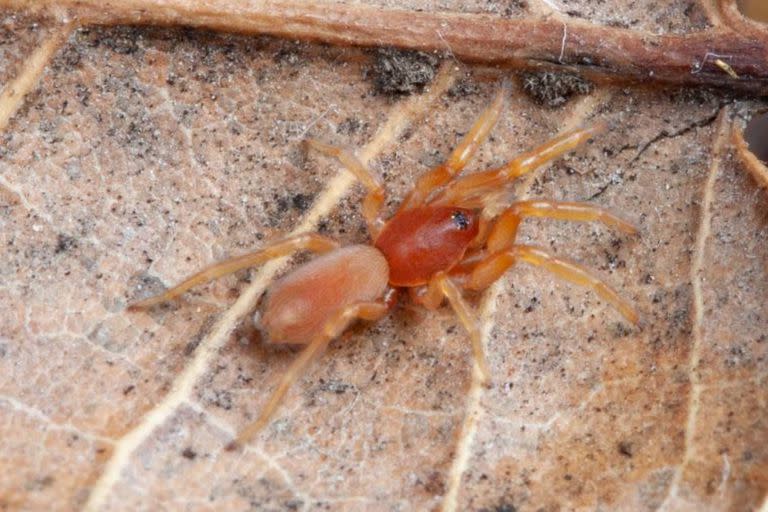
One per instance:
(460, 220)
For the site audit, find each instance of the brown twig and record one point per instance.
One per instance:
(601, 53)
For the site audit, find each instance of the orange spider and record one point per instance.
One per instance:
(444, 237)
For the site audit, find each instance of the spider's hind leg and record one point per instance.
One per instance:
(311, 241)
(332, 329)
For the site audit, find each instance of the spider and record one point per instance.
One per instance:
(449, 234)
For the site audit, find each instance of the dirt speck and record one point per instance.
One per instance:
(64, 243)
(463, 88)
(502, 507)
(301, 202)
(626, 449)
(351, 126)
(219, 398)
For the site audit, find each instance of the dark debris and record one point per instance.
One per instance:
(402, 72)
(554, 89)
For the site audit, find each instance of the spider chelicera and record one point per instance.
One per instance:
(449, 234)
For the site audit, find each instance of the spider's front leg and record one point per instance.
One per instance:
(460, 155)
(504, 230)
(465, 191)
(376, 193)
(502, 252)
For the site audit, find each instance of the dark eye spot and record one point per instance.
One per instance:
(460, 220)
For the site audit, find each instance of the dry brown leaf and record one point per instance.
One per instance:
(143, 154)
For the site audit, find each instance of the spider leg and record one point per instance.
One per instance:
(468, 188)
(332, 329)
(441, 286)
(311, 241)
(376, 194)
(504, 230)
(460, 155)
(495, 265)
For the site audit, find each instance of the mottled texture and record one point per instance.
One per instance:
(145, 154)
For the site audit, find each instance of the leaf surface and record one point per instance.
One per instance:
(144, 154)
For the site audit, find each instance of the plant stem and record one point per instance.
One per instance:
(598, 52)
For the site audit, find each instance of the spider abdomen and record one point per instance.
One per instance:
(299, 305)
(420, 242)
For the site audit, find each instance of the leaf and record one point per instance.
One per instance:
(144, 154)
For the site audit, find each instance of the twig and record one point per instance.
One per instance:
(598, 52)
